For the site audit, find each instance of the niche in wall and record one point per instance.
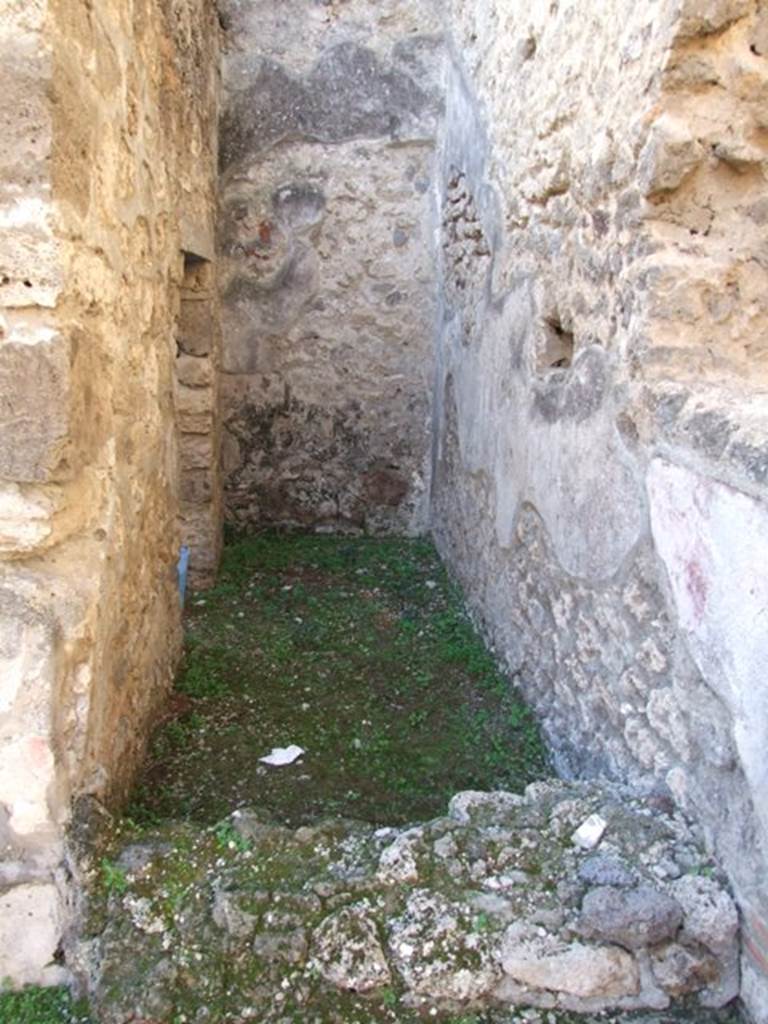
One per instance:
(197, 418)
(556, 344)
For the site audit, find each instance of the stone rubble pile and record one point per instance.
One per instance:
(495, 906)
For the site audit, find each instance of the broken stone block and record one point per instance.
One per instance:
(711, 919)
(682, 969)
(197, 328)
(347, 951)
(398, 862)
(632, 918)
(437, 952)
(588, 972)
(474, 808)
(602, 869)
(194, 371)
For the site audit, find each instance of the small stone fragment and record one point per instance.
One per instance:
(281, 947)
(484, 809)
(588, 835)
(397, 863)
(602, 869)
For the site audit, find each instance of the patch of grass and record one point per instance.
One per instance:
(113, 878)
(357, 650)
(41, 1006)
(228, 838)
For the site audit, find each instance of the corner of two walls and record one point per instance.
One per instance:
(107, 175)
(599, 477)
(331, 112)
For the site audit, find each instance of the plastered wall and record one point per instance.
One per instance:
(107, 174)
(327, 271)
(600, 461)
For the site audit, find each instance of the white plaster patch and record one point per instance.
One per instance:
(30, 926)
(714, 543)
(26, 772)
(24, 519)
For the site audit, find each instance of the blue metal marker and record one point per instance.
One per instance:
(182, 568)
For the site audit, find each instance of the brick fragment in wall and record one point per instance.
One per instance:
(194, 371)
(195, 409)
(197, 328)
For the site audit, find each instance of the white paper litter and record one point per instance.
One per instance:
(283, 755)
(588, 835)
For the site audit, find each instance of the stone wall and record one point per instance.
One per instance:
(198, 366)
(328, 280)
(106, 175)
(600, 465)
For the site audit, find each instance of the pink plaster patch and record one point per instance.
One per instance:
(697, 587)
(40, 754)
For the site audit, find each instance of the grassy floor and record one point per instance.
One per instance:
(40, 1006)
(358, 651)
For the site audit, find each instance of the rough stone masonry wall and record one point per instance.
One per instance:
(328, 277)
(600, 464)
(106, 175)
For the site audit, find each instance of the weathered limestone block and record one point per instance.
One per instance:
(587, 972)
(25, 519)
(197, 328)
(31, 920)
(671, 153)
(703, 17)
(348, 953)
(195, 409)
(34, 408)
(194, 372)
(196, 488)
(632, 918)
(197, 451)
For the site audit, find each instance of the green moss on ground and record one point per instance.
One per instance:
(41, 1006)
(359, 651)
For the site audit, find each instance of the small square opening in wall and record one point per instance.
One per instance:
(556, 345)
(197, 272)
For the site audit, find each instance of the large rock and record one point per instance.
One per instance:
(589, 972)
(633, 919)
(347, 951)
(439, 954)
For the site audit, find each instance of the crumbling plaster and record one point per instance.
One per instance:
(328, 276)
(606, 512)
